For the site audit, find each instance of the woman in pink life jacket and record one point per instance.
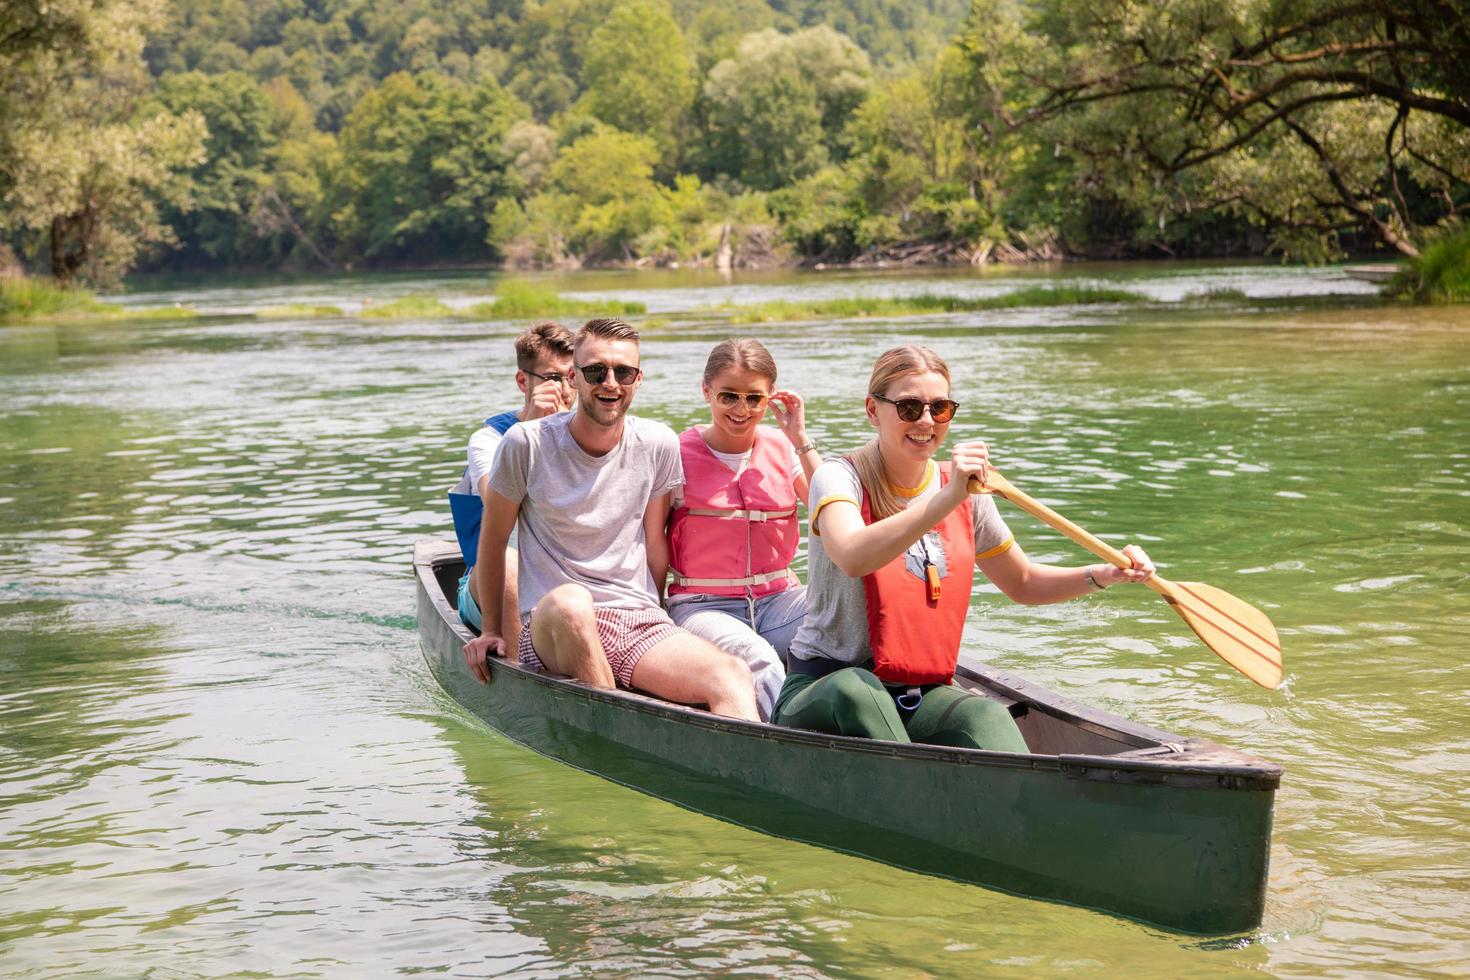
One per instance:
(895, 541)
(733, 530)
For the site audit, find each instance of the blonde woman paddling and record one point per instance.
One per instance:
(895, 541)
(733, 530)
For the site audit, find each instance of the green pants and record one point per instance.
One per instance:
(853, 701)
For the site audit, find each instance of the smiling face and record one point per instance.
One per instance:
(909, 443)
(604, 404)
(736, 423)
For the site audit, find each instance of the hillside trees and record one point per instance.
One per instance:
(83, 172)
(638, 75)
(778, 108)
(1308, 118)
(422, 165)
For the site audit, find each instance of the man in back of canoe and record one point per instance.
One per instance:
(589, 492)
(544, 375)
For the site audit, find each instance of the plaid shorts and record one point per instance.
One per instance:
(626, 635)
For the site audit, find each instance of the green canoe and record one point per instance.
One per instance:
(1102, 812)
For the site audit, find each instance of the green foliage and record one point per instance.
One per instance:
(422, 165)
(414, 306)
(927, 303)
(600, 197)
(25, 298)
(652, 100)
(83, 173)
(561, 132)
(1441, 273)
(244, 129)
(1310, 121)
(778, 108)
(519, 298)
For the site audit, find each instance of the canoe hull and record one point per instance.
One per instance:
(1184, 847)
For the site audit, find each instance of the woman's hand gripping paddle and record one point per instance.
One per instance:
(1237, 631)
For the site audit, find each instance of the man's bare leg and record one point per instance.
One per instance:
(689, 670)
(564, 634)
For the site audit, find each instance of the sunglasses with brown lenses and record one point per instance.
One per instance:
(912, 409)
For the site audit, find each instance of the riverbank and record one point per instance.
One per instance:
(27, 300)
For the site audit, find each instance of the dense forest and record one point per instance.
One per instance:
(144, 134)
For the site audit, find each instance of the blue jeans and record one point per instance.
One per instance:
(763, 643)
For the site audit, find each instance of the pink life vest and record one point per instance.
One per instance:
(734, 535)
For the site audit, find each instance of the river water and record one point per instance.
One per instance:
(221, 751)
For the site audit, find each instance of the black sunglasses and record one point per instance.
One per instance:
(912, 409)
(561, 379)
(596, 374)
(753, 400)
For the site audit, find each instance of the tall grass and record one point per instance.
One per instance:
(1441, 273)
(412, 306)
(24, 298)
(865, 306)
(517, 298)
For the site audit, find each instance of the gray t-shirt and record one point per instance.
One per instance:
(836, 625)
(581, 516)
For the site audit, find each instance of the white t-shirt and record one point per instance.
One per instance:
(581, 516)
(481, 452)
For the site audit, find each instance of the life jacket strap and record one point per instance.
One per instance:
(706, 583)
(759, 516)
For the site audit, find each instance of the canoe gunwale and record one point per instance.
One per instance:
(1222, 768)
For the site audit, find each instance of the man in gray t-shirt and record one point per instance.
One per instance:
(589, 492)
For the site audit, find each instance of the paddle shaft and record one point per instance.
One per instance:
(1002, 487)
(1238, 632)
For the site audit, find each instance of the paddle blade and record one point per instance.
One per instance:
(1240, 633)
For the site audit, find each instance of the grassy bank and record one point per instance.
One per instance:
(410, 307)
(27, 300)
(516, 299)
(867, 306)
(1441, 273)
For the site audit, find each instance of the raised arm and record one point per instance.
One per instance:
(790, 415)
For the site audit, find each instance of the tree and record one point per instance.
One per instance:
(638, 75)
(243, 133)
(79, 169)
(600, 197)
(778, 108)
(1308, 117)
(423, 165)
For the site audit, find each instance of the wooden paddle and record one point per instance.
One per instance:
(1240, 633)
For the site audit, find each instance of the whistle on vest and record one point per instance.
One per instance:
(931, 575)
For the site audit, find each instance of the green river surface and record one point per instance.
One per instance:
(221, 752)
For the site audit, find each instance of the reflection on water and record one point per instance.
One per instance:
(221, 751)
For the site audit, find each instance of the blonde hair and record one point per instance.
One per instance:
(747, 353)
(898, 362)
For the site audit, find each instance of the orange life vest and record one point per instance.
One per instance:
(918, 601)
(734, 535)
